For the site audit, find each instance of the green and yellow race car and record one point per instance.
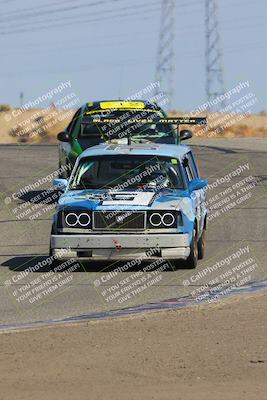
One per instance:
(117, 122)
(80, 135)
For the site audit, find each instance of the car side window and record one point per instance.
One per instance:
(73, 122)
(189, 168)
(193, 164)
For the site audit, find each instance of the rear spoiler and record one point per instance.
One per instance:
(173, 121)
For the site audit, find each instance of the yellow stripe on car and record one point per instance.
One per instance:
(122, 104)
(125, 109)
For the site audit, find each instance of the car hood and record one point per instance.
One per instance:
(126, 200)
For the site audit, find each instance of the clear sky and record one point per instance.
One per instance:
(107, 49)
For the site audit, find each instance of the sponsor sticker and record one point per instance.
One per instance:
(122, 104)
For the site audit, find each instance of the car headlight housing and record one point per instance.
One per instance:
(162, 219)
(75, 219)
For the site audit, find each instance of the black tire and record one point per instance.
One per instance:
(201, 245)
(51, 233)
(55, 262)
(191, 261)
(62, 175)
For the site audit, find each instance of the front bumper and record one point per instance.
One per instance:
(120, 246)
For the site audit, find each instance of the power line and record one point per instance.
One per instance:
(57, 10)
(35, 8)
(110, 11)
(7, 1)
(45, 27)
(50, 12)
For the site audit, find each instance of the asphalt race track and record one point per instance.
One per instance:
(236, 246)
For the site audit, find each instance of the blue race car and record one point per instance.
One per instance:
(129, 201)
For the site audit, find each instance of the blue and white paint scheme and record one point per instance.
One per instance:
(78, 228)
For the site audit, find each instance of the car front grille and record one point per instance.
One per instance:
(119, 220)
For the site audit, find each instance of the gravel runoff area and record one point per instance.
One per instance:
(215, 352)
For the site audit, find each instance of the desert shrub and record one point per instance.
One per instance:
(4, 107)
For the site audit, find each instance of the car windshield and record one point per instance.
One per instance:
(126, 172)
(138, 132)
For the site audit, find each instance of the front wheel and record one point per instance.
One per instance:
(63, 173)
(191, 261)
(55, 262)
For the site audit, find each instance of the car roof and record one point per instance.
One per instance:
(96, 104)
(165, 150)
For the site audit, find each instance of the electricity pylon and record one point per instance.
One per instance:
(165, 67)
(214, 68)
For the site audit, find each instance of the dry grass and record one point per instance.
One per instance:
(33, 126)
(229, 125)
(42, 125)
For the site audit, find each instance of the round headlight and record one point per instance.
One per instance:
(155, 219)
(168, 219)
(71, 219)
(84, 219)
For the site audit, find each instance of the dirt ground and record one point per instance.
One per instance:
(215, 352)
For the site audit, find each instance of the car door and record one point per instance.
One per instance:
(197, 196)
(66, 147)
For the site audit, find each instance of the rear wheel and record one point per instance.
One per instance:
(201, 245)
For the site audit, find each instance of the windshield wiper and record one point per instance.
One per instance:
(98, 187)
(83, 187)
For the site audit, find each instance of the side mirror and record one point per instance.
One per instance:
(197, 184)
(60, 184)
(63, 137)
(185, 134)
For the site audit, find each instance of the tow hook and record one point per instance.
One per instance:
(117, 245)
